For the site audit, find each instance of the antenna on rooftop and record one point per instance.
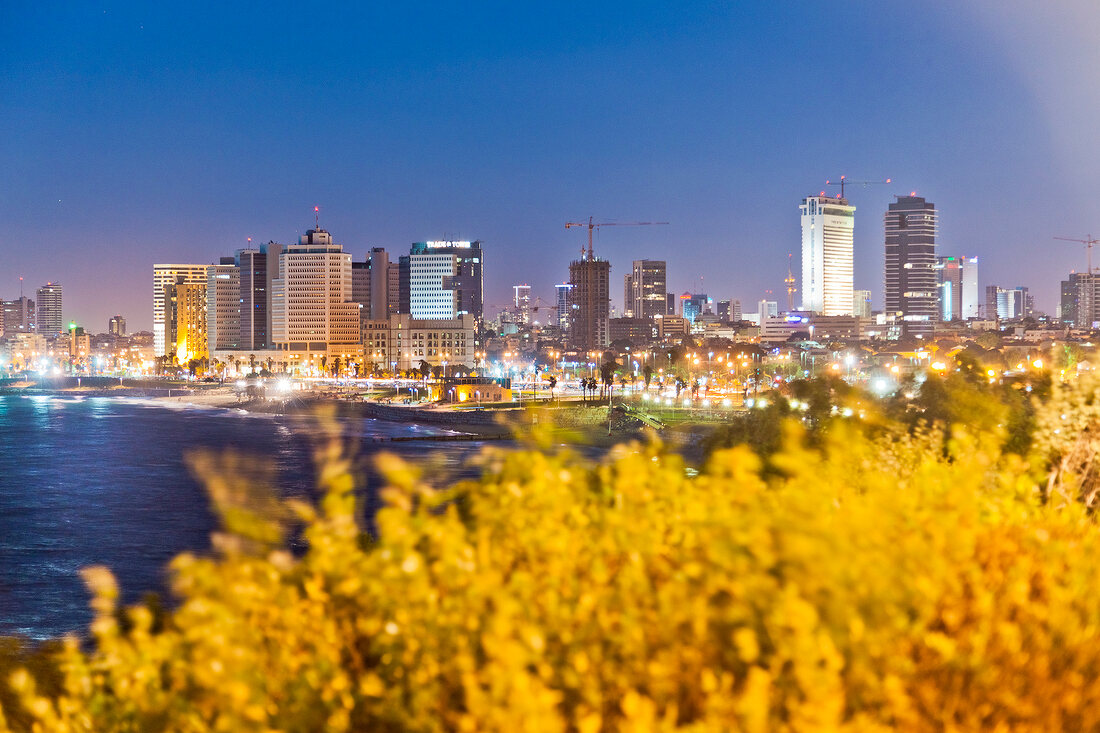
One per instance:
(316, 217)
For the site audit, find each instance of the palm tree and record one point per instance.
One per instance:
(607, 374)
(647, 375)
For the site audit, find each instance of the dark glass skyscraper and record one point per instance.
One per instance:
(254, 314)
(911, 277)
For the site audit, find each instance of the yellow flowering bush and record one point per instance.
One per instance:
(866, 583)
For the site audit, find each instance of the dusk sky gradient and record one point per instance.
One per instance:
(134, 134)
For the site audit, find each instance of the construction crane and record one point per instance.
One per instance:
(597, 224)
(843, 181)
(1088, 242)
(789, 280)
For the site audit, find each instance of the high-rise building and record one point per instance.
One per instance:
(48, 310)
(445, 280)
(397, 286)
(522, 303)
(827, 255)
(564, 301)
(693, 305)
(767, 308)
(911, 291)
(252, 312)
(379, 261)
(311, 300)
(163, 277)
(1008, 303)
(670, 304)
(370, 285)
(958, 287)
(360, 288)
(223, 305)
(18, 316)
(861, 303)
(116, 326)
(645, 289)
(590, 303)
(1080, 301)
(185, 320)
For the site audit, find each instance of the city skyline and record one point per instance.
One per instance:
(134, 147)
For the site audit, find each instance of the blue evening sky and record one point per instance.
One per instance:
(170, 132)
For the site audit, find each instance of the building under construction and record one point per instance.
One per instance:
(590, 303)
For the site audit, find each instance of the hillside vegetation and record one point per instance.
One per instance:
(871, 575)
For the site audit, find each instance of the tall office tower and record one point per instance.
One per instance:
(861, 303)
(379, 262)
(252, 309)
(360, 287)
(185, 316)
(590, 303)
(648, 289)
(48, 310)
(311, 299)
(18, 315)
(628, 295)
(767, 308)
(670, 304)
(958, 287)
(911, 292)
(223, 305)
(163, 276)
(735, 313)
(1007, 303)
(445, 280)
(397, 287)
(273, 252)
(723, 310)
(523, 302)
(827, 255)
(116, 326)
(1080, 304)
(693, 305)
(565, 305)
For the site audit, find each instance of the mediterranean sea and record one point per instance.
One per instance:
(104, 481)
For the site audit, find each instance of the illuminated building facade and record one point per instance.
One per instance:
(18, 316)
(958, 284)
(564, 305)
(185, 304)
(312, 306)
(49, 321)
(911, 288)
(827, 255)
(406, 342)
(165, 276)
(445, 280)
(223, 305)
(645, 289)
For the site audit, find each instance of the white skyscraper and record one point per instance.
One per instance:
(827, 255)
(312, 306)
(48, 305)
(164, 276)
(223, 306)
(445, 280)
